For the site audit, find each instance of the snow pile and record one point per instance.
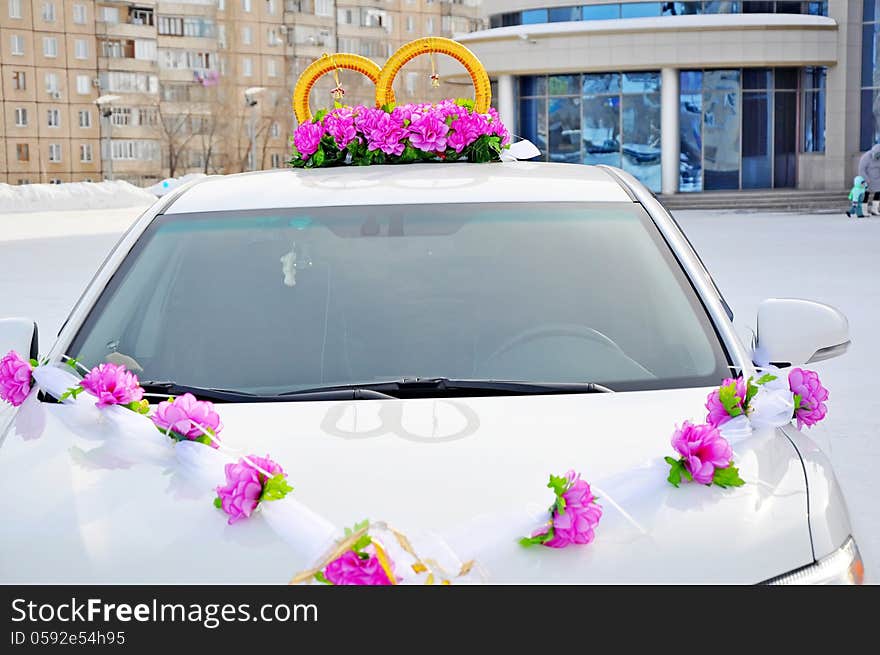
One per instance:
(72, 196)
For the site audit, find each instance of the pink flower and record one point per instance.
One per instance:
(703, 449)
(244, 486)
(112, 384)
(718, 415)
(575, 525)
(428, 133)
(307, 138)
(811, 397)
(15, 378)
(366, 119)
(184, 413)
(350, 569)
(387, 135)
(466, 129)
(341, 127)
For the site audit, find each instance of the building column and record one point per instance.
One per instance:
(507, 102)
(670, 144)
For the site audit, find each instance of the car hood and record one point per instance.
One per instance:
(77, 507)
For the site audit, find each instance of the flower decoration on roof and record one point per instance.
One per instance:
(451, 130)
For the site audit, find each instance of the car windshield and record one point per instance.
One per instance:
(269, 302)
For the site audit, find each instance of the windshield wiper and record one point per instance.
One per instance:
(432, 387)
(232, 396)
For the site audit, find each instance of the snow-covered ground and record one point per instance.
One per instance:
(48, 258)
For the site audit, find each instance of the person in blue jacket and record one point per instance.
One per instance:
(857, 197)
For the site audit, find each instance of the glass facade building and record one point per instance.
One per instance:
(870, 100)
(616, 10)
(738, 128)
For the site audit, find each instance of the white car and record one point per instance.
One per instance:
(423, 344)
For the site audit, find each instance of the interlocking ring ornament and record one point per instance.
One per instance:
(383, 77)
(322, 66)
(439, 45)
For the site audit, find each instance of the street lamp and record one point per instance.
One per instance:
(105, 108)
(250, 98)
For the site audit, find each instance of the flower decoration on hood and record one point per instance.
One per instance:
(113, 384)
(809, 397)
(364, 562)
(397, 134)
(186, 417)
(706, 457)
(15, 378)
(573, 516)
(249, 482)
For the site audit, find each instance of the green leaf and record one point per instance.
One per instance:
(72, 362)
(318, 158)
(357, 527)
(34, 363)
(320, 577)
(465, 102)
(727, 477)
(676, 466)
(319, 115)
(537, 540)
(797, 402)
(751, 390)
(764, 379)
(362, 542)
(388, 107)
(218, 503)
(276, 488)
(203, 438)
(728, 398)
(558, 484)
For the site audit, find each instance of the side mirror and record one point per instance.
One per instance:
(793, 332)
(20, 335)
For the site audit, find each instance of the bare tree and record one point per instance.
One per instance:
(175, 131)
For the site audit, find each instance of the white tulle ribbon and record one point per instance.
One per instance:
(55, 379)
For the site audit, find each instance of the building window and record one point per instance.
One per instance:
(16, 44)
(141, 16)
(52, 84)
(272, 67)
(597, 118)
(85, 118)
(50, 46)
(410, 82)
(15, 8)
(110, 15)
(814, 108)
(120, 116)
(21, 117)
(79, 14)
(49, 12)
(83, 84)
(81, 49)
(429, 25)
(410, 23)
(275, 130)
(53, 118)
(277, 161)
(85, 152)
(323, 7)
(170, 26)
(55, 152)
(246, 6)
(247, 66)
(247, 35)
(22, 152)
(19, 80)
(221, 5)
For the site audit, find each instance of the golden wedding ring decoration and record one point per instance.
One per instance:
(383, 77)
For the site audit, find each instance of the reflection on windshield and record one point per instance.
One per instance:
(294, 299)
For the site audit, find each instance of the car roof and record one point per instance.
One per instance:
(514, 181)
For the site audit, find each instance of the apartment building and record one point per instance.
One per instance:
(48, 64)
(196, 85)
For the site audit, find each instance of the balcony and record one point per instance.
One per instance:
(126, 30)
